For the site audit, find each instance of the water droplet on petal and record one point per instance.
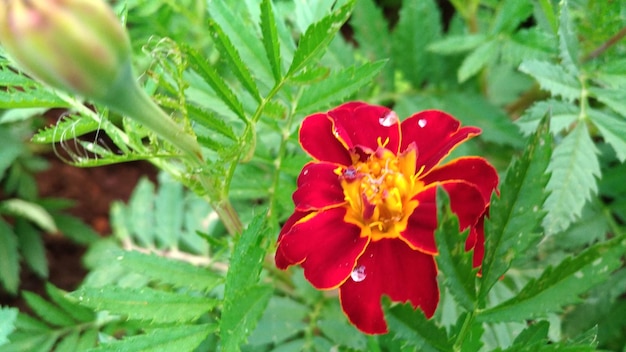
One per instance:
(422, 122)
(389, 119)
(305, 172)
(358, 274)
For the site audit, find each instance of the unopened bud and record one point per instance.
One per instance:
(74, 45)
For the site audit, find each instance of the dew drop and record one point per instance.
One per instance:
(305, 172)
(422, 123)
(358, 274)
(389, 119)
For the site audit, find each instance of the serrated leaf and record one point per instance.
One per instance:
(244, 300)
(453, 261)
(317, 37)
(244, 37)
(210, 121)
(510, 14)
(409, 48)
(47, 311)
(68, 128)
(178, 338)
(528, 44)
(75, 229)
(568, 40)
(30, 95)
(30, 211)
(531, 338)
(574, 167)
(571, 278)
(231, 54)
(562, 116)
(215, 80)
(613, 98)
(412, 326)
(613, 130)
(337, 87)
(515, 215)
(168, 210)
(9, 261)
(145, 303)
(553, 78)
(38, 342)
(456, 44)
(168, 271)
(7, 323)
(31, 247)
(77, 312)
(282, 319)
(138, 217)
(270, 38)
(12, 148)
(68, 343)
(371, 30)
(477, 59)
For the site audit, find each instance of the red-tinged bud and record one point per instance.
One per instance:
(79, 46)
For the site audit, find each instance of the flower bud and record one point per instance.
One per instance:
(73, 45)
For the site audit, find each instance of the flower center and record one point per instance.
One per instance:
(379, 192)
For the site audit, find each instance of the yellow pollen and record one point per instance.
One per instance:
(379, 192)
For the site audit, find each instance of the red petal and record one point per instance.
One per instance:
(367, 126)
(474, 170)
(421, 225)
(476, 240)
(466, 202)
(318, 187)
(325, 245)
(281, 261)
(394, 269)
(435, 134)
(317, 139)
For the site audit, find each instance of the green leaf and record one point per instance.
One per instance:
(9, 261)
(30, 211)
(456, 44)
(211, 122)
(477, 59)
(571, 278)
(337, 87)
(528, 44)
(613, 98)
(69, 127)
(568, 40)
(244, 300)
(77, 312)
(75, 229)
(68, 343)
(553, 78)
(412, 326)
(31, 247)
(12, 148)
(7, 323)
(179, 338)
(168, 210)
(531, 338)
(47, 311)
(613, 130)
(138, 217)
(516, 214)
(215, 80)
(453, 261)
(20, 91)
(168, 271)
(317, 37)
(243, 37)
(230, 53)
(574, 167)
(562, 116)
(282, 319)
(37, 342)
(510, 14)
(145, 303)
(270, 38)
(409, 50)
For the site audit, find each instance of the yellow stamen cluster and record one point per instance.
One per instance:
(379, 192)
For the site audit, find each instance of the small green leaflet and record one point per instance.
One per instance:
(230, 53)
(31, 211)
(244, 299)
(270, 38)
(455, 44)
(562, 115)
(145, 303)
(409, 49)
(553, 78)
(9, 261)
(7, 323)
(412, 326)
(516, 214)
(47, 311)
(68, 128)
(568, 40)
(574, 167)
(479, 58)
(453, 261)
(337, 87)
(613, 130)
(181, 338)
(31, 246)
(510, 14)
(22, 92)
(317, 37)
(571, 278)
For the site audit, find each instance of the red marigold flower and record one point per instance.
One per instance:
(365, 207)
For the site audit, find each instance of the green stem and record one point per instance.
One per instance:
(465, 329)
